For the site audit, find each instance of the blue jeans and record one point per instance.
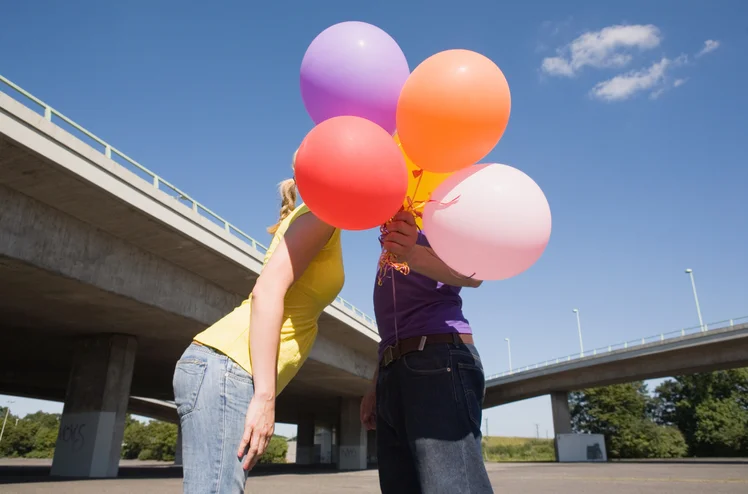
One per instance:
(212, 394)
(429, 412)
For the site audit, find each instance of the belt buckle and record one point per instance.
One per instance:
(388, 356)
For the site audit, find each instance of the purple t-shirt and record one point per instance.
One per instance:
(419, 305)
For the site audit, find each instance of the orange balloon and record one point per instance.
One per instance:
(453, 110)
(420, 184)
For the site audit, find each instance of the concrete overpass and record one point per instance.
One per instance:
(104, 279)
(722, 347)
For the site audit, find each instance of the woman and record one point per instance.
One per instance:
(226, 382)
(427, 396)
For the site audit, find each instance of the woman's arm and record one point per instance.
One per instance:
(424, 260)
(306, 236)
(401, 241)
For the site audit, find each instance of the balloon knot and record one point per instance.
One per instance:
(387, 260)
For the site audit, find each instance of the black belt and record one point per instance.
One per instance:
(417, 343)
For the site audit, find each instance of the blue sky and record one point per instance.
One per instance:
(636, 134)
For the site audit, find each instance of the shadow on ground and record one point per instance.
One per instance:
(688, 461)
(20, 474)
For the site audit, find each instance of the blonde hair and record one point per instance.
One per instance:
(287, 189)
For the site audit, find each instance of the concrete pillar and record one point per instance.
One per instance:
(561, 416)
(305, 441)
(93, 419)
(178, 449)
(353, 436)
(323, 444)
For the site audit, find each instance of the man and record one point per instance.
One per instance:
(426, 398)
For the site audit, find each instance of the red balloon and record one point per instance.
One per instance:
(351, 174)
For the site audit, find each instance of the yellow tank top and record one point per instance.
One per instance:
(314, 290)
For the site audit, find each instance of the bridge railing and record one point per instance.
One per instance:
(159, 183)
(659, 338)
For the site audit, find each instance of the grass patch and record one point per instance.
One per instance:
(518, 449)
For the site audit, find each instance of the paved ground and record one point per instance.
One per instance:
(714, 477)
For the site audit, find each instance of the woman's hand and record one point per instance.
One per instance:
(369, 409)
(402, 236)
(303, 240)
(259, 426)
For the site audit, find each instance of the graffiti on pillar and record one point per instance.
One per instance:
(348, 452)
(594, 452)
(73, 435)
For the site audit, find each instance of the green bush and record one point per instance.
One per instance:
(276, 451)
(152, 441)
(518, 449)
(667, 442)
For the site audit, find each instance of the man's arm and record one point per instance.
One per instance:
(401, 242)
(424, 260)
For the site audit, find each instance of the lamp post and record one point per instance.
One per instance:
(509, 350)
(7, 411)
(579, 330)
(689, 272)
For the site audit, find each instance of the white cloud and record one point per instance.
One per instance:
(709, 46)
(555, 28)
(679, 82)
(557, 66)
(624, 86)
(657, 93)
(609, 47)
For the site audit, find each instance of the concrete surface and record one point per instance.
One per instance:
(87, 247)
(686, 477)
(92, 425)
(703, 352)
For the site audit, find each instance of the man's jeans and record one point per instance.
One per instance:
(212, 394)
(429, 412)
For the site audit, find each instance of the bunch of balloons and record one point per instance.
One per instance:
(386, 138)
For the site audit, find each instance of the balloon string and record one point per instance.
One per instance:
(394, 309)
(387, 260)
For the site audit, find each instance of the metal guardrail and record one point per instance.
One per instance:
(159, 183)
(660, 338)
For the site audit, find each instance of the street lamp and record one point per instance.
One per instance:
(509, 350)
(579, 330)
(689, 272)
(7, 411)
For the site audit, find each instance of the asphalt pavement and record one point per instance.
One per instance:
(682, 477)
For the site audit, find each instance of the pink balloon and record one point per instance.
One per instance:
(490, 221)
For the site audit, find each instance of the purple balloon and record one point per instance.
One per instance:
(353, 68)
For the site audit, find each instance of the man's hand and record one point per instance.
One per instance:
(369, 409)
(259, 426)
(402, 236)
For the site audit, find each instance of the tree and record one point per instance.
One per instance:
(721, 428)
(710, 409)
(622, 413)
(163, 441)
(134, 439)
(155, 440)
(276, 451)
(33, 436)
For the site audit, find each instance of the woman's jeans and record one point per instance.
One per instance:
(429, 409)
(212, 394)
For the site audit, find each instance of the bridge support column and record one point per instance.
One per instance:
(93, 419)
(305, 441)
(353, 436)
(178, 448)
(561, 416)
